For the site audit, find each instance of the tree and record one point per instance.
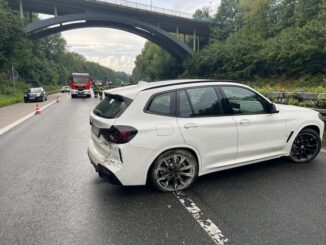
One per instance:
(227, 19)
(154, 63)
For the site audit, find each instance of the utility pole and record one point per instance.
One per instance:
(14, 76)
(21, 9)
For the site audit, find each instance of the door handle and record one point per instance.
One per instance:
(244, 121)
(190, 125)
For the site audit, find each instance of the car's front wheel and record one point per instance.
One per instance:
(174, 170)
(305, 147)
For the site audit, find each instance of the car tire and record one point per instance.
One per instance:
(305, 147)
(174, 170)
(46, 98)
(73, 96)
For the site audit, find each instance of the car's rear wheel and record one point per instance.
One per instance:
(174, 170)
(305, 147)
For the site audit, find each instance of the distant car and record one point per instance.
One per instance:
(65, 89)
(35, 94)
(170, 132)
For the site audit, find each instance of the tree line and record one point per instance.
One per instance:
(43, 62)
(250, 39)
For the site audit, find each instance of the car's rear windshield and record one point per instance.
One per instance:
(112, 106)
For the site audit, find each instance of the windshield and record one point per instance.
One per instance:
(80, 79)
(35, 90)
(112, 106)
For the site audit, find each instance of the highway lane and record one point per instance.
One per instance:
(12, 113)
(50, 194)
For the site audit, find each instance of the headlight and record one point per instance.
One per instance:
(38, 95)
(25, 95)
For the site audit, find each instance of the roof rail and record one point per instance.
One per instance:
(187, 82)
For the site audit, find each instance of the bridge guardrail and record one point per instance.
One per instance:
(145, 7)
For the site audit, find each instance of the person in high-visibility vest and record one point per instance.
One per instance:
(100, 91)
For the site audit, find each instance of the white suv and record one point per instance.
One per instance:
(170, 132)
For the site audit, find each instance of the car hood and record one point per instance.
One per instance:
(294, 108)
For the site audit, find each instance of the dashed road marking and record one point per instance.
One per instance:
(206, 224)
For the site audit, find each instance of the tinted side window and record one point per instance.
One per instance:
(199, 102)
(184, 105)
(163, 104)
(244, 101)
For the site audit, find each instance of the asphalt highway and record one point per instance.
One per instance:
(12, 113)
(50, 194)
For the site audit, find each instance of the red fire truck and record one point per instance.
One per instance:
(80, 85)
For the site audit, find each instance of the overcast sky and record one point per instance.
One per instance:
(117, 49)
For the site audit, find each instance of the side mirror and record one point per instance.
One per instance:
(274, 108)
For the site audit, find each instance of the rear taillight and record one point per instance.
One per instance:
(72, 86)
(120, 134)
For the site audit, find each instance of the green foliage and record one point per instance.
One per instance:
(44, 62)
(279, 40)
(264, 38)
(6, 100)
(202, 14)
(154, 64)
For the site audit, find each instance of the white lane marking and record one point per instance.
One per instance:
(19, 121)
(208, 226)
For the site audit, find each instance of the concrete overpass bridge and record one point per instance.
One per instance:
(166, 28)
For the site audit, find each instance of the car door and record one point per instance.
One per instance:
(261, 134)
(204, 127)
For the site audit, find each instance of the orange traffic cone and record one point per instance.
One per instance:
(37, 110)
(58, 99)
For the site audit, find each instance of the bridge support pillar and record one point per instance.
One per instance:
(55, 11)
(194, 41)
(177, 32)
(21, 9)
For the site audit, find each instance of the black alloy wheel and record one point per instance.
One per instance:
(305, 147)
